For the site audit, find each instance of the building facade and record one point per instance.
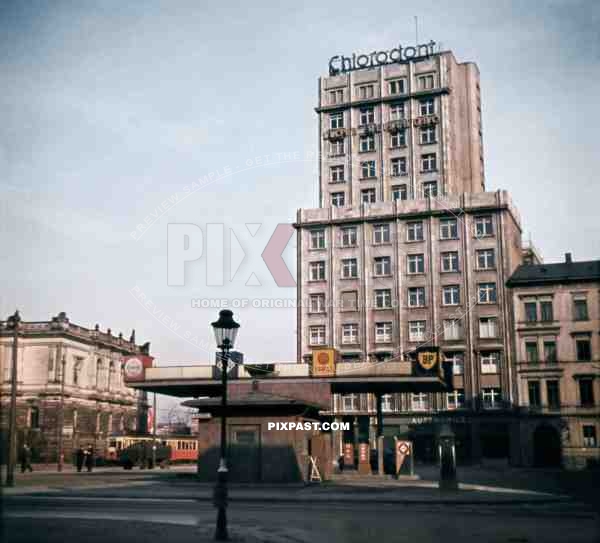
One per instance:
(407, 249)
(69, 378)
(557, 361)
(400, 131)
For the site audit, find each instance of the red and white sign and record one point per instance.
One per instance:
(134, 367)
(402, 451)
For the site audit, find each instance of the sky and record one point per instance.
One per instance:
(110, 109)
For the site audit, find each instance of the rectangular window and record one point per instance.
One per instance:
(450, 261)
(348, 236)
(458, 362)
(338, 199)
(589, 436)
(428, 162)
(350, 402)
(317, 303)
(349, 333)
(586, 392)
(381, 233)
(383, 298)
(317, 239)
(336, 120)
(546, 311)
(383, 332)
(488, 327)
(336, 147)
(367, 143)
(419, 401)
(530, 311)
(336, 174)
(398, 139)
(550, 352)
(349, 268)
(487, 293)
(580, 310)
(448, 229)
(349, 300)
(427, 106)
(486, 259)
(425, 82)
(336, 96)
(414, 231)
(365, 92)
(583, 347)
(430, 189)
(553, 394)
(484, 226)
(399, 192)
(416, 330)
(416, 297)
(533, 390)
(367, 116)
(452, 330)
(367, 169)
(317, 335)
(427, 134)
(383, 265)
(317, 271)
(456, 399)
(531, 352)
(451, 295)
(490, 362)
(368, 196)
(387, 402)
(397, 86)
(491, 398)
(416, 263)
(397, 112)
(398, 166)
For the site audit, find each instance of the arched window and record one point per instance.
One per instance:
(34, 417)
(111, 375)
(77, 370)
(98, 372)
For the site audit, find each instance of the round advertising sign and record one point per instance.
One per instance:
(134, 368)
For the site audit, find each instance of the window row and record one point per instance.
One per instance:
(398, 167)
(491, 398)
(417, 331)
(582, 349)
(381, 233)
(394, 87)
(396, 140)
(396, 112)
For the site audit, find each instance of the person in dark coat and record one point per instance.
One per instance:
(79, 458)
(26, 459)
(89, 458)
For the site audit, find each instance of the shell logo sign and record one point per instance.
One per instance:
(323, 362)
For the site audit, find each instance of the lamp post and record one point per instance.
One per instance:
(13, 323)
(225, 333)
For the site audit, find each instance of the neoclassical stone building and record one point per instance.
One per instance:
(70, 377)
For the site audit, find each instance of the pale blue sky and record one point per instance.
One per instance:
(108, 109)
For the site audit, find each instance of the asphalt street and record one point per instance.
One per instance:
(30, 518)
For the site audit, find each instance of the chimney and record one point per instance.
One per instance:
(568, 258)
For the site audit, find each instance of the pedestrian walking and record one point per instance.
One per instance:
(26, 459)
(89, 459)
(79, 458)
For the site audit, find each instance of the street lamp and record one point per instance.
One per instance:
(13, 323)
(226, 330)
